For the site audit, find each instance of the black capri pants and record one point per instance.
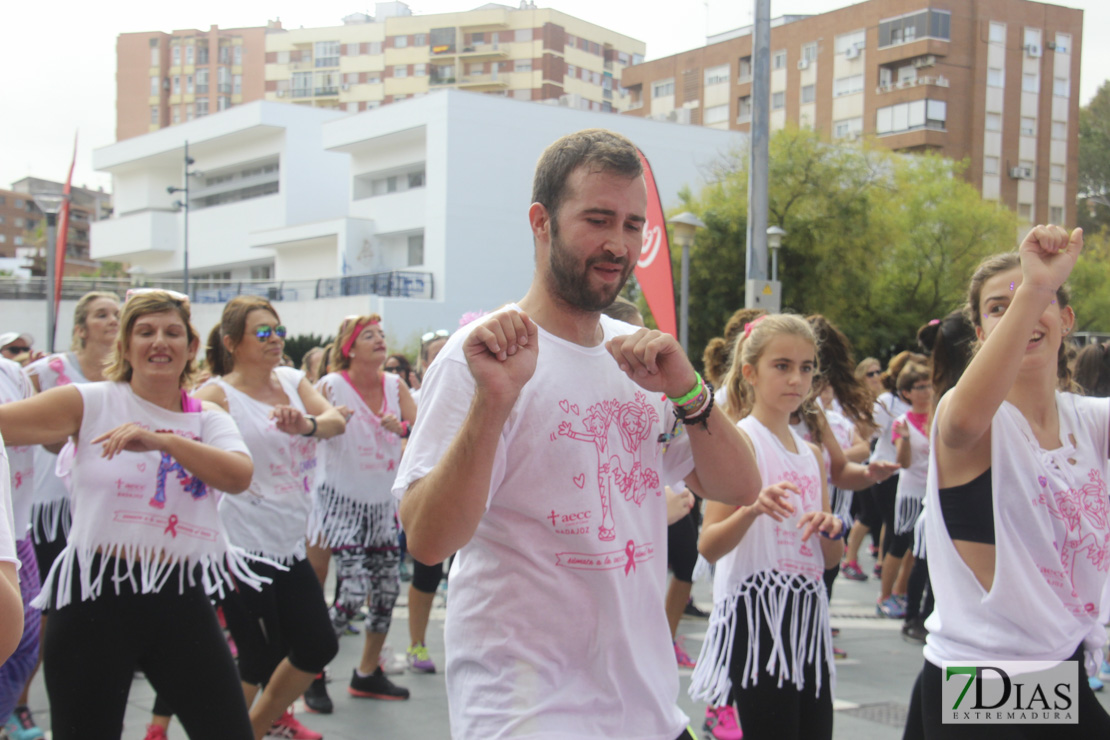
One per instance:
(93, 648)
(682, 547)
(287, 618)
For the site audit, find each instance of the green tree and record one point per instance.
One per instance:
(878, 242)
(1094, 161)
(1088, 281)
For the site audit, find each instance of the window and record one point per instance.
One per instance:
(715, 114)
(1028, 126)
(1032, 37)
(225, 54)
(716, 75)
(175, 52)
(189, 112)
(202, 81)
(995, 77)
(1029, 166)
(809, 52)
(154, 85)
(401, 70)
(847, 85)
(237, 84)
(326, 54)
(350, 50)
(523, 65)
(925, 23)
(1063, 44)
(202, 107)
(260, 272)
(990, 165)
(154, 114)
(809, 93)
(917, 114)
(1030, 83)
(237, 55)
(572, 71)
(177, 114)
(302, 84)
(154, 56)
(848, 128)
(3, 238)
(1055, 215)
(420, 39)
(744, 109)
(1025, 210)
(223, 102)
(177, 84)
(855, 40)
(1061, 88)
(744, 68)
(778, 101)
(375, 47)
(998, 33)
(401, 42)
(662, 88)
(1056, 173)
(419, 70)
(416, 250)
(189, 84)
(202, 52)
(190, 52)
(17, 223)
(994, 122)
(1059, 130)
(778, 60)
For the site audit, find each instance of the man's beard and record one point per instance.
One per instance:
(574, 287)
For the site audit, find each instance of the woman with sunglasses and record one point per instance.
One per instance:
(282, 632)
(129, 589)
(354, 513)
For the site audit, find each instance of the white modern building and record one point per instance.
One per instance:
(417, 211)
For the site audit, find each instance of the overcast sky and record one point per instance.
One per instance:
(61, 62)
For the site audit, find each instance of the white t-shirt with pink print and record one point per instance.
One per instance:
(556, 628)
(14, 386)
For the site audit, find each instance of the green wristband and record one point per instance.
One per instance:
(692, 394)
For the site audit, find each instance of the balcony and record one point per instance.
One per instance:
(324, 92)
(483, 52)
(483, 82)
(137, 233)
(937, 81)
(299, 92)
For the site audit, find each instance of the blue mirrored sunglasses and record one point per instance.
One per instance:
(263, 332)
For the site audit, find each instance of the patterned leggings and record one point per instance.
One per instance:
(17, 669)
(361, 571)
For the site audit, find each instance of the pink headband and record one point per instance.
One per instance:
(354, 335)
(751, 325)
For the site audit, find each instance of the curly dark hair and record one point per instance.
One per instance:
(838, 369)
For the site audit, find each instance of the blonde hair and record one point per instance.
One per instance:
(336, 359)
(144, 304)
(81, 315)
(750, 346)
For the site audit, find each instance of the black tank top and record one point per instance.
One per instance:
(968, 510)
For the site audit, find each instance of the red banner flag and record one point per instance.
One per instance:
(653, 270)
(63, 234)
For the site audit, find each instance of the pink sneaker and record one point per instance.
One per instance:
(721, 723)
(287, 726)
(683, 657)
(154, 732)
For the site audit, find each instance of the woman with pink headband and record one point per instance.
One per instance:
(354, 513)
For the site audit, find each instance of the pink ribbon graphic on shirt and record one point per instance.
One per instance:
(171, 528)
(626, 558)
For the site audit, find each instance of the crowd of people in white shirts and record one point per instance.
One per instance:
(143, 499)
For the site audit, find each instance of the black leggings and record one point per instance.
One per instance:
(682, 548)
(767, 710)
(898, 544)
(93, 648)
(287, 618)
(426, 578)
(885, 495)
(925, 718)
(919, 592)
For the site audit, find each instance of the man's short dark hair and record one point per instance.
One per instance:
(598, 149)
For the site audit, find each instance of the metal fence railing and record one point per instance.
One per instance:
(393, 284)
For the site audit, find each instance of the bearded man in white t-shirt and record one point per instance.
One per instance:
(540, 454)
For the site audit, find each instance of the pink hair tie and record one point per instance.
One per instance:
(346, 350)
(934, 322)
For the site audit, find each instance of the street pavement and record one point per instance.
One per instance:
(872, 684)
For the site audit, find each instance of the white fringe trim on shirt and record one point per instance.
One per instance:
(154, 568)
(339, 521)
(765, 598)
(48, 518)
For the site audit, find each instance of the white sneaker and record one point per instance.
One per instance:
(391, 663)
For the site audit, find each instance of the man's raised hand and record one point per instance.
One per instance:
(501, 353)
(654, 361)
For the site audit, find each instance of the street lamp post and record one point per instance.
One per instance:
(184, 205)
(774, 242)
(685, 225)
(50, 204)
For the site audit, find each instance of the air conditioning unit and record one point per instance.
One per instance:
(1021, 173)
(803, 64)
(852, 52)
(925, 61)
(1033, 50)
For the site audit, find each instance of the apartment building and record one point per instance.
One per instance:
(525, 53)
(21, 224)
(164, 79)
(995, 82)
